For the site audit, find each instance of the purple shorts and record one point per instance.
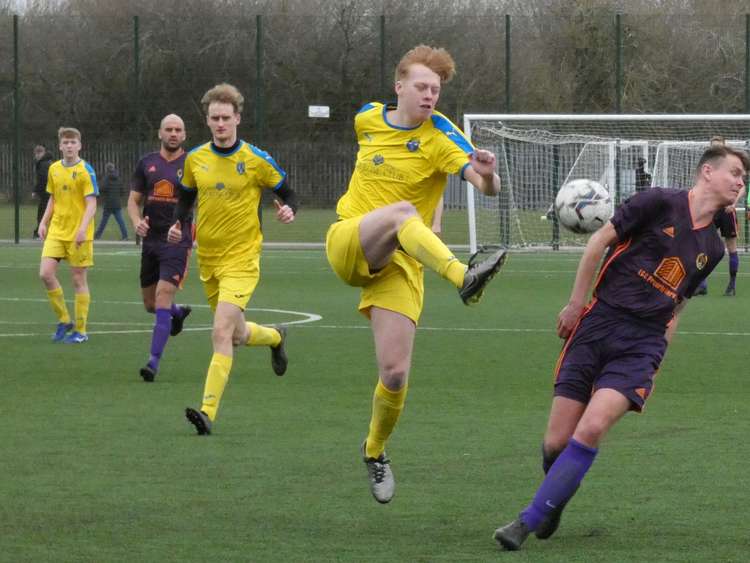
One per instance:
(610, 349)
(164, 261)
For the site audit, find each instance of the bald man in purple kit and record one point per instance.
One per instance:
(661, 244)
(155, 186)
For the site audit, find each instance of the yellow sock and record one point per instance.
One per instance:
(386, 408)
(82, 311)
(216, 381)
(57, 301)
(262, 335)
(421, 243)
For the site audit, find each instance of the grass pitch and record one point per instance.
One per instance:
(100, 466)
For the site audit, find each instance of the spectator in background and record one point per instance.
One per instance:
(111, 188)
(42, 161)
(642, 178)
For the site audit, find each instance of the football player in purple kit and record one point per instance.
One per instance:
(727, 224)
(163, 265)
(662, 243)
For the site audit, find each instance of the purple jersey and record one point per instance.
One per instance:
(661, 257)
(158, 180)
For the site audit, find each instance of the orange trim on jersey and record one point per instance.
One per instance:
(619, 249)
(585, 312)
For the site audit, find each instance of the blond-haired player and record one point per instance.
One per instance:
(382, 239)
(227, 176)
(67, 229)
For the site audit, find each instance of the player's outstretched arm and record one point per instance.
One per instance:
(481, 172)
(592, 256)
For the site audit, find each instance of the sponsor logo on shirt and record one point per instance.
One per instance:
(669, 231)
(152, 168)
(369, 137)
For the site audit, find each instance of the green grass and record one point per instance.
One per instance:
(99, 466)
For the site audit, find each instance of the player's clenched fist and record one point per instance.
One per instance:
(174, 235)
(284, 213)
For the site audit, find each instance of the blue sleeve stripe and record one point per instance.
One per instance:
(366, 107)
(463, 169)
(92, 174)
(269, 159)
(443, 124)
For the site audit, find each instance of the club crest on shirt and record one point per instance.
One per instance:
(701, 260)
(220, 186)
(378, 160)
(413, 145)
(241, 168)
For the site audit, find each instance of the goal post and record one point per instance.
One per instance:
(538, 153)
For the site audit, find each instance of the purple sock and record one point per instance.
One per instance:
(561, 482)
(160, 336)
(734, 266)
(176, 310)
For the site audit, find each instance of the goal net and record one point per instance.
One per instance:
(537, 154)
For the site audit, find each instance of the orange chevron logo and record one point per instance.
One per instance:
(671, 272)
(669, 231)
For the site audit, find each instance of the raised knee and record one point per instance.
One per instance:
(404, 210)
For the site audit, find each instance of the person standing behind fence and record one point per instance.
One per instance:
(42, 161)
(67, 229)
(111, 189)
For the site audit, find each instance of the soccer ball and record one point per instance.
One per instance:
(583, 206)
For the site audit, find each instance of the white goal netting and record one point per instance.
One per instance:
(537, 154)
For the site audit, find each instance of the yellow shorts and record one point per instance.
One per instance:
(230, 283)
(398, 287)
(77, 256)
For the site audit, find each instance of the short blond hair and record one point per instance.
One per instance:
(68, 133)
(437, 59)
(223, 93)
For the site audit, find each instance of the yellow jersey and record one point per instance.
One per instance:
(402, 164)
(70, 186)
(229, 190)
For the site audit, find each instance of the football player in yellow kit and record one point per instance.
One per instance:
(67, 229)
(226, 176)
(382, 239)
